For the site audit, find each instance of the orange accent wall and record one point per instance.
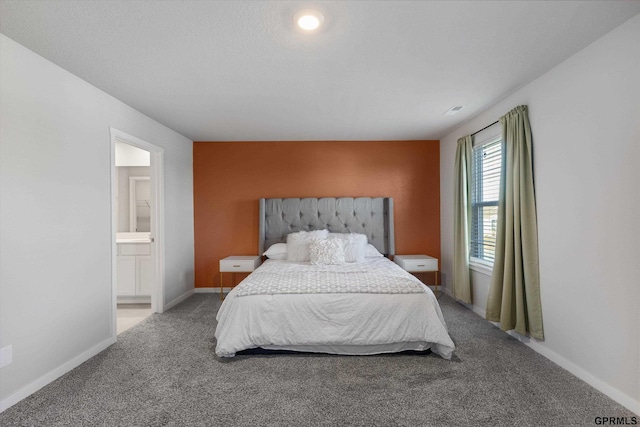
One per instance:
(230, 177)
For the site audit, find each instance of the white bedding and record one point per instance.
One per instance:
(286, 313)
(374, 277)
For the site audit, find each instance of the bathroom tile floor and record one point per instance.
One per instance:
(130, 315)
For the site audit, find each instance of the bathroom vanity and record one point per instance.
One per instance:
(135, 267)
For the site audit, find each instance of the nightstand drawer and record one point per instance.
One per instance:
(416, 263)
(240, 264)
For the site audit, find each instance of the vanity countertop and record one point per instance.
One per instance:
(133, 238)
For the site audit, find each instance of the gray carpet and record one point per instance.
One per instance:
(164, 372)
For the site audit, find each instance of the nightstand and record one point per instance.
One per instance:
(419, 264)
(238, 264)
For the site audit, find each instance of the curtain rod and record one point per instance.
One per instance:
(486, 127)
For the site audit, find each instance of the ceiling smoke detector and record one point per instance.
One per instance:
(453, 110)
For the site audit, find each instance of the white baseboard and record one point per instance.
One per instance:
(625, 400)
(187, 294)
(615, 394)
(178, 300)
(134, 300)
(211, 290)
(55, 374)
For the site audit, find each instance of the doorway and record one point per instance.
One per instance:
(137, 212)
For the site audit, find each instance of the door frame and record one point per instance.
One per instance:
(157, 221)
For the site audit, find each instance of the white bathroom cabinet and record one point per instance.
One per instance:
(135, 272)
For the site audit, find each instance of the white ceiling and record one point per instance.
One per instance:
(233, 71)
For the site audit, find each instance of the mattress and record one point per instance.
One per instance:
(357, 308)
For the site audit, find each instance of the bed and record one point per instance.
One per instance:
(368, 305)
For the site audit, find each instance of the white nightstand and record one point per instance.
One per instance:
(419, 264)
(238, 264)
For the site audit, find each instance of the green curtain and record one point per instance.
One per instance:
(514, 294)
(461, 221)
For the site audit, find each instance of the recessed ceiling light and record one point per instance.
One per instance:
(308, 20)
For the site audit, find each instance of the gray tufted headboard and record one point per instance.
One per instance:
(372, 216)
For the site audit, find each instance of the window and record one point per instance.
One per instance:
(486, 165)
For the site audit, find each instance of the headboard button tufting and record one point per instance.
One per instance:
(340, 215)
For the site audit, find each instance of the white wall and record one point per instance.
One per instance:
(585, 118)
(128, 155)
(55, 216)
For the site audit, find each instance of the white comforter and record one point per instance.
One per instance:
(304, 307)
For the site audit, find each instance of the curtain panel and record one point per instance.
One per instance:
(514, 294)
(462, 221)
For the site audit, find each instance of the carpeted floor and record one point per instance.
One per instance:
(163, 372)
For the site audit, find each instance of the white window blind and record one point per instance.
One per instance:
(485, 190)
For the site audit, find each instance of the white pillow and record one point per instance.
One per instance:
(276, 251)
(326, 252)
(371, 252)
(298, 244)
(354, 245)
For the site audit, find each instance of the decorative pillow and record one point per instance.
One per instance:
(354, 245)
(326, 252)
(298, 244)
(371, 252)
(276, 251)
